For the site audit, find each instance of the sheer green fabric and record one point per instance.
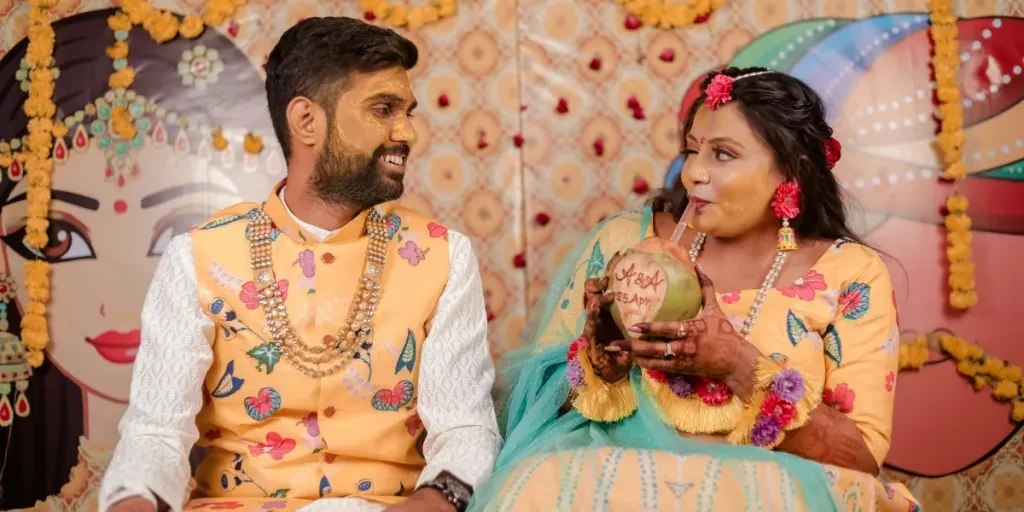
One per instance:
(532, 387)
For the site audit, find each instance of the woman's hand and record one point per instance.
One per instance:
(609, 362)
(708, 345)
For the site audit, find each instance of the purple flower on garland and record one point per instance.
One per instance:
(574, 373)
(679, 385)
(766, 430)
(789, 385)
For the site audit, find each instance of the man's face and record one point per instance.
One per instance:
(362, 161)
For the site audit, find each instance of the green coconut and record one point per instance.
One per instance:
(653, 281)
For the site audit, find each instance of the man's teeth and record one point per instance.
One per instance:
(394, 159)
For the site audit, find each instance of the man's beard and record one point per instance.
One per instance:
(345, 176)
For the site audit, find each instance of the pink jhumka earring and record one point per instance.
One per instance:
(786, 206)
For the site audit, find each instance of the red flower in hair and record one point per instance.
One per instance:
(718, 92)
(786, 204)
(833, 151)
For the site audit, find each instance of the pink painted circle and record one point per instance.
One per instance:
(665, 135)
(639, 88)
(567, 181)
(506, 15)
(495, 292)
(599, 209)
(602, 49)
(477, 124)
(639, 166)
(537, 142)
(537, 234)
(561, 22)
(605, 129)
(443, 84)
(482, 213)
(665, 44)
(447, 177)
(478, 53)
(507, 92)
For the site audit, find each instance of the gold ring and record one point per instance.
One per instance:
(681, 332)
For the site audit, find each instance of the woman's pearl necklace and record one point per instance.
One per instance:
(353, 333)
(769, 282)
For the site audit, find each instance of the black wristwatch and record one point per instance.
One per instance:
(454, 490)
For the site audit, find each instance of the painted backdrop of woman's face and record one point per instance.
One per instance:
(117, 203)
(105, 241)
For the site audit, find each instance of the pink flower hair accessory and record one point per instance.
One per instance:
(718, 92)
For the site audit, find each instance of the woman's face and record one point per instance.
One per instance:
(729, 174)
(106, 235)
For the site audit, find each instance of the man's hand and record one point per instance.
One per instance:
(133, 504)
(423, 500)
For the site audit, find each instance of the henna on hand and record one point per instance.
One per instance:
(710, 347)
(600, 329)
(831, 437)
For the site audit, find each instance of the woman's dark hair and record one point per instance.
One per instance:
(790, 118)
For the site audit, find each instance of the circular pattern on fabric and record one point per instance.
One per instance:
(482, 212)
(447, 176)
(478, 53)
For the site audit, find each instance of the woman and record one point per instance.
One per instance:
(799, 355)
(116, 204)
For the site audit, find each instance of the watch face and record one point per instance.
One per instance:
(456, 488)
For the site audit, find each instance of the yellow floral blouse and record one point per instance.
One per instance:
(837, 324)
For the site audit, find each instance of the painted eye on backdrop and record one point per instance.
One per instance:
(171, 226)
(68, 240)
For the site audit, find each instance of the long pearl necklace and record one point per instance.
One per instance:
(356, 329)
(769, 282)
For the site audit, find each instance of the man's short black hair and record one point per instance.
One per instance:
(314, 58)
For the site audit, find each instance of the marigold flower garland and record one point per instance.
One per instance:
(962, 294)
(40, 109)
(655, 13)
(950, 142)
(1005, 378)
(162, 26)
(405, 16)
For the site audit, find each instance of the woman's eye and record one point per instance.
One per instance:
(175, 225)
(723, 156)
(66, 242)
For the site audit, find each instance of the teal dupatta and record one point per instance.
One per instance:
(532, 386)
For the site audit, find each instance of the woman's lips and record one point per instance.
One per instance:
(116, 347)
(699, 203)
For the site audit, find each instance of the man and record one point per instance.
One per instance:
(350, 371)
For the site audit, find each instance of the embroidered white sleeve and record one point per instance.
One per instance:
(456, 375)
(159, 429)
